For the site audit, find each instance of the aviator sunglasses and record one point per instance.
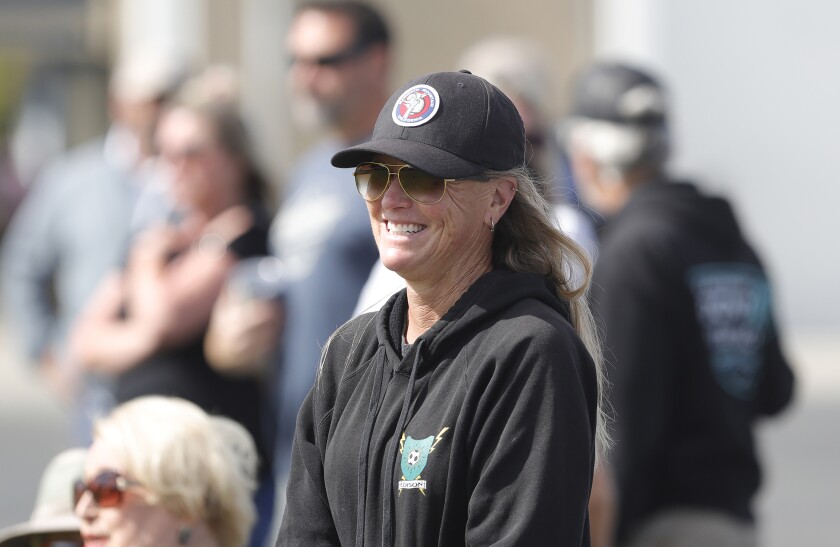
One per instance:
(372, 179)
(107, 489)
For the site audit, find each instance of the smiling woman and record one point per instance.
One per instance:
(466, 410)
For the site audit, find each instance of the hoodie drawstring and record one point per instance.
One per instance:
(387, 521)
(364, 449)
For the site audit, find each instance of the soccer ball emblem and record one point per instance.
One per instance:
(413, 457)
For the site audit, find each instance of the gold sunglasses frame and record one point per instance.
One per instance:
(396, 173)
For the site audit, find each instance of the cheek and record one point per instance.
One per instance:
(186, 175)
(374, 212)
(143, 525)
(460, 232)
(114, 523)
(223, 175)
(330, 85)
(192, 182)
(464, 218)
(595, 195)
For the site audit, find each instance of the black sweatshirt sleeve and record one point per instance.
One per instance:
(531, 444)
(307, 519)
(638, 338)
(775, 390)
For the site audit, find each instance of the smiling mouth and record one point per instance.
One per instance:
(403, 229)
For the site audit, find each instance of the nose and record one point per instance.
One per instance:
(176, 166)
(395, 196)
(85, 509)
(305, 74)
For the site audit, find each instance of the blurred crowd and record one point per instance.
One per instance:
(176, 302)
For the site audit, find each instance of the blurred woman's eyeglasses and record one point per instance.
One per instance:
(189, 152)
(107, 488)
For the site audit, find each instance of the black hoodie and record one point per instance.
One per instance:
(481, 433)
(692, 353)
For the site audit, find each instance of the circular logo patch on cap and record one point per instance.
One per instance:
(416, 106)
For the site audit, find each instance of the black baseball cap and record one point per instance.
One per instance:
(619, 93)
(449, 124)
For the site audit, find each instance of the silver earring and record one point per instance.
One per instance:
(492, 225)
(184, 535)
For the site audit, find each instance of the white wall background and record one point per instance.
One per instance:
(755, 87)
(166, 27)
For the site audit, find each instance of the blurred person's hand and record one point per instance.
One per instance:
(157, 245)
(175, 273)
(145, 291)
(164, 296)
(602, 507)
(243, 333)
(88, 335)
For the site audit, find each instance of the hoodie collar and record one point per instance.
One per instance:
(491, 293)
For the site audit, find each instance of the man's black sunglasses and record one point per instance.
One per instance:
(335, 59)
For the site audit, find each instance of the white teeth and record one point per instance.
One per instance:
(404, 228)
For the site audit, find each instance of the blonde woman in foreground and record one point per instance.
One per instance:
(161, 472)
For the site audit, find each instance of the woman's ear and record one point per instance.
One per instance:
(502, 197)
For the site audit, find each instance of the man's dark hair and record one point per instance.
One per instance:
(370, 25)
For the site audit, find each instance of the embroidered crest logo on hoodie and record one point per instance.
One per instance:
(415, 455)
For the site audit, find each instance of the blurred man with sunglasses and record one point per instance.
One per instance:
(340, 60)
(339, 56)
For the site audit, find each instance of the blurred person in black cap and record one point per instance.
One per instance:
(52, 523)
(694, 353)
(464, 411)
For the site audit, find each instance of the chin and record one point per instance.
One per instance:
(395, 261)
(394, 266)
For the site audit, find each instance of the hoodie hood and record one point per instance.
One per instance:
(680, 203)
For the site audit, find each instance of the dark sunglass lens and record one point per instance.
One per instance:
(371, 180)
(422, 186)
(332, 60)
(342, 56)
(106, 490)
